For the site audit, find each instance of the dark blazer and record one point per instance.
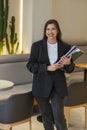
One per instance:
(44, 80)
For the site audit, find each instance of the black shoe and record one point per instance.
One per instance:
(39, 118)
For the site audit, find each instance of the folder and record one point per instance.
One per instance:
(75, 52)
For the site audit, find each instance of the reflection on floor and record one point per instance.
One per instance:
(77, 121)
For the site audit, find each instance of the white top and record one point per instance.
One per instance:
(52, 52)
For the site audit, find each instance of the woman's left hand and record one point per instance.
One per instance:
(65, 60)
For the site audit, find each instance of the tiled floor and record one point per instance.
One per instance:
(77, 121)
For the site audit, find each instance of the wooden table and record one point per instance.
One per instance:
(16, 89)
(5, 84)
(83, 66)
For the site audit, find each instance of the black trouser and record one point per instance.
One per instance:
(55, 110)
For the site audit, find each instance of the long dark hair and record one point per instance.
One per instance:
(53, 21)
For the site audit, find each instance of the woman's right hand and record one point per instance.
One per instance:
(54, 67)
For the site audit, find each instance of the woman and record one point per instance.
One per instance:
(49, 82)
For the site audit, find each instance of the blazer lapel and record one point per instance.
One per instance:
(45, 51)
(59, 48)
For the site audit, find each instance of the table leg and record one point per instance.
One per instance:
(85, 74)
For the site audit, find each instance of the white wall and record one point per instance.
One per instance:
(27, 24)
(72, 17)
(71, 14)
(42, 11)
(36, 13)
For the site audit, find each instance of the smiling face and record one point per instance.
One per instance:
(51, 33)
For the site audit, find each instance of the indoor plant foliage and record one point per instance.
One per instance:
(3, 22)
(12, 43)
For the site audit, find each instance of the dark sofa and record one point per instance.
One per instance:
(13, 68)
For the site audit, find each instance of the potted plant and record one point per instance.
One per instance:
(12, 43)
